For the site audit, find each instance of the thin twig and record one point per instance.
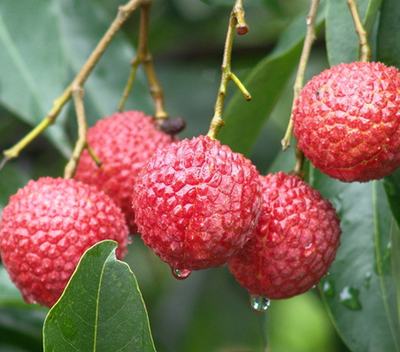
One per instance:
(236, 21)
(81, 143)
(308, 42)
(365, 48)
(123, 14)
(144, 57)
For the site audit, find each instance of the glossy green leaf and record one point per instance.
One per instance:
(341, 38)
(388, 42)
(266, 83)
(359, 291)
(101, 309)
(32, 68)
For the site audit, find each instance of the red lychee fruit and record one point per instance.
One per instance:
(123, 143)
(347, 121)
(45, 229)
(295, 241)
(196, 202)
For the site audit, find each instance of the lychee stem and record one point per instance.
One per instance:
(123, 14)
(365, 48)
(145, 58)
(305, 54)
(81, 143)
(236, 22)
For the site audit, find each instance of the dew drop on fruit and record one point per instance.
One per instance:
(181, 274)
(130, 239)
(259, 304)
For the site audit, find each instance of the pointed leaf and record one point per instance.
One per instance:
(266, 83)
(101, 309)
(359, 291)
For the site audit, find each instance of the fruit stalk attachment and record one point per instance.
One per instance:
(365, 48)
(123, 14)
(305, 54)
(238, 23)
(144, 57)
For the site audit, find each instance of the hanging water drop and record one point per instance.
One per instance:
(367, 279)
(349, 298)
(130, 239)
(328, 288)
(259, 304)
(181, 274)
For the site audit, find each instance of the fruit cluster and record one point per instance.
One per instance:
(196, 203)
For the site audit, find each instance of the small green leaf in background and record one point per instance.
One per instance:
(359, 290)
(101, 309)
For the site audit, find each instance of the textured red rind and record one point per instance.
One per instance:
(196, 202)
(347, 121)
(294, 243)
(123, 143)
(45, 229)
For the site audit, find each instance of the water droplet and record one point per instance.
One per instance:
(130, 239)
(181, 274)
(367, 279)
(349, 298)
(259, 304)
(328, 288)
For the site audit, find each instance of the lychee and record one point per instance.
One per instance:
(123, 143)
(196, 202)
(347, 121)
(295, 241)
(45, 229)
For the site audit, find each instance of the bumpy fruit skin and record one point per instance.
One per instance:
(196, 203)
(347, 121)
(294, 243)
(123, 143)
(45, 229)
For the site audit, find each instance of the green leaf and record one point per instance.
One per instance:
(341, 38)
(266, 83)
(101, 309)
(32, 68)
(391, 184)
(388, 42)
(359, 291)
